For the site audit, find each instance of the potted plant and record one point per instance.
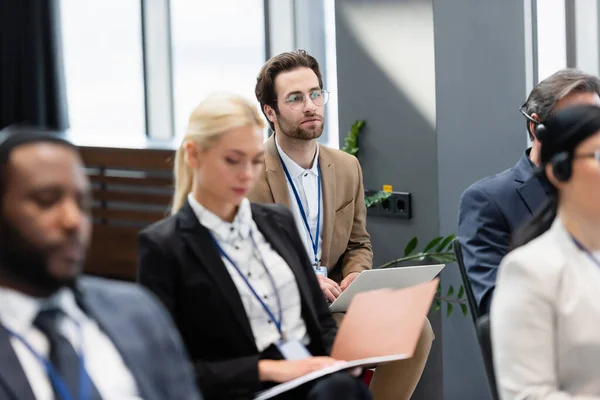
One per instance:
(438, 250)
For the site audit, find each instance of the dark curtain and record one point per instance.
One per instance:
(32, 81)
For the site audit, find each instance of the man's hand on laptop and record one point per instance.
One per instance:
(330, 289)
(348, 280)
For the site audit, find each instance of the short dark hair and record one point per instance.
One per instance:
(265, 81)
(19, 134)
(546, 94)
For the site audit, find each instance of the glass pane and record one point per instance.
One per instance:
(104, 70)
(551, 37)
(217, 45)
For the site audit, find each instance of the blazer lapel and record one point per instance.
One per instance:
(531, 191)
(533, 194)
(201, 243)
(328, 186)
(12, 376)
(111, 323)
(265, 222)
(274, 174)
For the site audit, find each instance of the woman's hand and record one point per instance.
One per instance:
(284, 370)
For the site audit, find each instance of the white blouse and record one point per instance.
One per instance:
(236, 240)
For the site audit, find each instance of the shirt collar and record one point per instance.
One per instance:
(223, 230)
(18, 310)
(294, 169)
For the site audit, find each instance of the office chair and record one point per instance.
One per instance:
(456, 246)
(485, 342)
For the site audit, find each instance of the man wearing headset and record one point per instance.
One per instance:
(494, 207)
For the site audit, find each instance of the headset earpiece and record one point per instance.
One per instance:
(561, 166)
(540, 131)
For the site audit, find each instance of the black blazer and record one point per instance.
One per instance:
(179, 262)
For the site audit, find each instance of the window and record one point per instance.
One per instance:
(102, 49)
(551, 37)
(216, 46)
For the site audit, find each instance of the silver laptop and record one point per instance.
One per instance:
(387, 278)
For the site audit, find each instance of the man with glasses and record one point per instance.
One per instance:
(494, 207)
(324, 189)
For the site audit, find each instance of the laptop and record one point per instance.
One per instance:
(386, 278)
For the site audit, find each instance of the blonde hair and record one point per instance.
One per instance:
(215, 115)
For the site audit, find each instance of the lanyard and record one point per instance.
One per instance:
(278, 322)
(314, 241)
(55, 379)
(586, 251)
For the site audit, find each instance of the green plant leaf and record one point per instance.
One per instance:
(461, 292)
(411, 246)
(431, 244)
(450, 291)
(443, 258)
(448, 240)
(439, 288)
(448, 309)
(464, 309)
(437, 305)
(376, 198)
(351, 141)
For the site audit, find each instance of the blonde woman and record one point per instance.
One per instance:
(234, 275)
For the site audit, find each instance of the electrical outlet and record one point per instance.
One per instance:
(398, 205)
(401, 205)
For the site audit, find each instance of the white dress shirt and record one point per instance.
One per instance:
(103, 362)
(306, 182)
(545, 319)
(236, 240)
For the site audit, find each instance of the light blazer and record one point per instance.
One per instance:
(179, 262)
(346, 242)
(545, 320)
(140, 329)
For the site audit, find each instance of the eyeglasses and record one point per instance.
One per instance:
(296, 101)
(595, 155)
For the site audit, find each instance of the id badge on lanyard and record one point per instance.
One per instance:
(290, 349)
(313, 240)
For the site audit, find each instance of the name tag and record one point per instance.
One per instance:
(292, 350)
(320, 270)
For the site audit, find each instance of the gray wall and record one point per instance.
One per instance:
(398, 142)
(439, 83)
(480, 83)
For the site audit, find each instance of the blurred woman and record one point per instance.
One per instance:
(545, 316)
(235, 276)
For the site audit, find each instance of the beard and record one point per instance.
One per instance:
(25, 262)
(298, 132)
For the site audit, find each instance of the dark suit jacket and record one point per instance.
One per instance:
(140, 329)
(490, 211)
(179, 262)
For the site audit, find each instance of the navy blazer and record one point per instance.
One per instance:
(140, 329)
(490, 211)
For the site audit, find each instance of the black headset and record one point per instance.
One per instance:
(539, 129)
(561, 162)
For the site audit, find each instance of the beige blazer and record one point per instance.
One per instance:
(545, 321)
(346, 243)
